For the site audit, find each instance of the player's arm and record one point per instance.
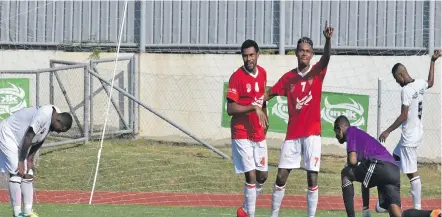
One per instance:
(325, 58)
(278, 89)
(268, 95)
(234, 108)
(34, 150)
(406, 100)
(27, 142)
(352, 159)
(264, 109)
(435, 56)
(400, 119)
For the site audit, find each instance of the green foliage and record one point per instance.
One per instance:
(95, 54)
(291, 52)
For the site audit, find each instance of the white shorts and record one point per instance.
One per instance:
(9, 152)
(408, 158)
(310, 149)
(248, 155)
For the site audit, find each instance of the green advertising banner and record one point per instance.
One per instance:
(355, 107)
(14, 95)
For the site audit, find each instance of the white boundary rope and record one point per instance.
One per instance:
(109, 101)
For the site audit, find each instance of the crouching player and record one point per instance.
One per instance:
(370, 163)
(21, 135)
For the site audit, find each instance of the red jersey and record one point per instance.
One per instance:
(303, 92)
(247, 89)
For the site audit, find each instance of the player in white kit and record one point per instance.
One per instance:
(412, 97)
(21, 135)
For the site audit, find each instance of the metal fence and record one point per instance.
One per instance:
(397, 27)
(60, 77)
(72, 86)
(122, 114)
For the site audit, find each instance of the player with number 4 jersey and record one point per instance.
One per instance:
(245, 103)
(411, 119)
(303, 88)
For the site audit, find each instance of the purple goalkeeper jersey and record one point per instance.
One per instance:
(366, 147)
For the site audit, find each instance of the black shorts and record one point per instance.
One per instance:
(385, 176)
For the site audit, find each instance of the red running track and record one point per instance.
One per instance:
(198, 199)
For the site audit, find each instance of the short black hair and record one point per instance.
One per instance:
(396, 67)
(304, 40)
(66, 120)
(249, 43)
(342, 120)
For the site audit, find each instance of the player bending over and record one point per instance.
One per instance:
(303, 88)
(245, 103)
(21, 135)
(370, 163)
(405, 153)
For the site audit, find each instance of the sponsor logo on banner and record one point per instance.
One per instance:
(14, 95)
(353, 111)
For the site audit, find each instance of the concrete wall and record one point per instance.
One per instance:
(188, 90)
(72, 80)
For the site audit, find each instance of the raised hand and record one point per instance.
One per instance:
(328, 31)
(435, 56)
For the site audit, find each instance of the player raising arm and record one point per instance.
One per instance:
(303, 88)
(21, 135)
(248, 125)
(413, 91)
(370, 163)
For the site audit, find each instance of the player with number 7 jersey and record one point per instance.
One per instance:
(303, 88)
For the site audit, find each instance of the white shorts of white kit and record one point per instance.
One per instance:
(248, 155)
(408, 158)
(9, 152)
(309, 148)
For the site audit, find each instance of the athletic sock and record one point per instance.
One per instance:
(258, 188)
(416, 187)
(312, 200)
(15, 194)
(258, 191)
(277, 196)
(250, 198)
(416, 213)
(27, 189)
(348, 193)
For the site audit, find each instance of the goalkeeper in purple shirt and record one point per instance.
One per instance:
(370, 163)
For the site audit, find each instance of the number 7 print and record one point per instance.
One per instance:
(316, 160)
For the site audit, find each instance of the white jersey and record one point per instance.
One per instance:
(13, 128)
(413, 97)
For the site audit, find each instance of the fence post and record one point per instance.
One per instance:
(86, 104)
(282, 27)
(136, 89)
(431, 28)
(51, 85)
(143, 22)
(37, 89)
(378, 131)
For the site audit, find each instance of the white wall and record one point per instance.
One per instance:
(188, 90)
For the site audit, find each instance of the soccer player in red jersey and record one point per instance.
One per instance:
(303, 88)
(245, 103)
